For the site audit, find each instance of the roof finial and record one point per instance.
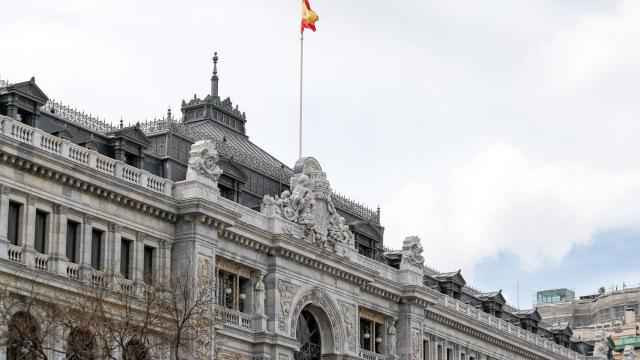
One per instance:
(121, 123)
(169, 113)
(214, 78)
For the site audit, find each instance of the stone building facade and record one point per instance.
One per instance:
(300, 270)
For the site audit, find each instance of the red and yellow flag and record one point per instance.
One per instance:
(309, 17)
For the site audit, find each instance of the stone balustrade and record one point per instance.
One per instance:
(233, 318)
(73, 271)
(80, 155)
(41, 261)
(15, 253)
(370, 355)
(508, 329)
(98, 278)
(126, 286)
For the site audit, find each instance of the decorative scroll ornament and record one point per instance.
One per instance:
(309, 204)
(411, 253)
(203, 163)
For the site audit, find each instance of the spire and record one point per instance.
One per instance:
(214, 78)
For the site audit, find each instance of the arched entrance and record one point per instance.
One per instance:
(308, 334)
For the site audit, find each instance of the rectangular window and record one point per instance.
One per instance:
(41, 231)
(148, 264)
(125, 251)
(13, 229)
(72, 241)
(449, 354)
(425, 350)
(439, 352)
(96, 249)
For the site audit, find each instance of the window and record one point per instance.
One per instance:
(425, 350)
(371, 333)
(148, 265)
(24, 338)
(463, 357)
(41, 231)
(96, 249)
(439, 352)
(125, 251)
(449, 354)
(81, 345)
(72, 241)
(231, 290)
(13, 229)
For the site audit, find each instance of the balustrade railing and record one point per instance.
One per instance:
(126, 286)
(14, 253)
(233, 318)
(41, 261)
(80, 155)
(370, 355)
(73, 271)
(98, 278)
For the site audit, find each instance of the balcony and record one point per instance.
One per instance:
(370, 355)
(233, 318)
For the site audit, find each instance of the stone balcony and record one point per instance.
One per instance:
(233, 318)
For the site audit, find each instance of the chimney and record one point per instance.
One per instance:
(629, 316)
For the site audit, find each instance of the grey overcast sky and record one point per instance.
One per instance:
(503, 133)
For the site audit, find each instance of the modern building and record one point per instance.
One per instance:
(590, 318)
(555, 295)
(300, 270)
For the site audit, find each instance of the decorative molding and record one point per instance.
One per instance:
(140, 236)
(88, 219)
(116, 228)
(350, 324)
(321, 299)
(416, 344)
(4, 190)
(233, 267)
(371, 315)
(60, 209)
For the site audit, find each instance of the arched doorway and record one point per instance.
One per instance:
(308, 334)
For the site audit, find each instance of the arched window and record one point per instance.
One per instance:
(24, 341)
(81, 345)
(136, 350)
(308, 335)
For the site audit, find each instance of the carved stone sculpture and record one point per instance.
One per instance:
(203, 163)
(309, 204)
(629, 353)
(601, 349)
(391, 341)
(286, 291)
(258, 306)
(349, 316)
(411, 253)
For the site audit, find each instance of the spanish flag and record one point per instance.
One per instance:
(309, 17)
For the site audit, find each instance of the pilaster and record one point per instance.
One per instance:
(58, 240)
(138, 258)
(409, 328)
(113, 245)
(28, 235)
(4, 221)
(85, 248)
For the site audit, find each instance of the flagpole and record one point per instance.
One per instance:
(301, 62)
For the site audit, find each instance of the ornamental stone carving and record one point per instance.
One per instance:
(629, 353)
(601, 349)
(309, 204)
(203, 163)
(412, 253)
(416, 344)
(349, 317)
(286, 291)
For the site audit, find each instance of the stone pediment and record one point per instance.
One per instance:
(367, 229)
(133, 134)
(232, 170)
(30, 90)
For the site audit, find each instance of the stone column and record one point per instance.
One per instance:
(58, 240)
(84, 256)
(29, 231)
(4, 221)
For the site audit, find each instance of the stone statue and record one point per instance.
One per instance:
(601, 349)
(411, 252)
(629, 353)
(258, 306)
(347, 236)
(203, 162)
(391, 343)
